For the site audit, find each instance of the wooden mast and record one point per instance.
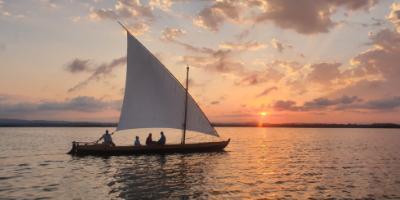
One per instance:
(186, 102)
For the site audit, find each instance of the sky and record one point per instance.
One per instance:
(270, 61)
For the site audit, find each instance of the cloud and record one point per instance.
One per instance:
(170, 34)
(214, 102)
(49, 3)
(377, 68)
(161, 4)
(320, 103)
(76, 19)
(193, 83)
(350, 103)
(317, 104)
(243, 46)
(276, 44)
(124, 9)
(375, 22)
(78, 65)
(219, 60)
(303, 16)
(368, 89)
(383, 58)
(383, 104)
(6, 10)
(137, 15)
(215, 61)
(324, 73)
(306, 16)
(394, 16)
(98, 72)
(138, 28)
(6, 13)
(80, 103)
(83, 104)
(267, 91)
(285, 105)
(273, 71)
(189, 47)
(372, 73)
(257, 77)
(354, 5)
(212, 17)
(243, 34)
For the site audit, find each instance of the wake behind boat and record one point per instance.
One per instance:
(154, 98)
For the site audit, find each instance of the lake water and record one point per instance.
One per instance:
(259, 163)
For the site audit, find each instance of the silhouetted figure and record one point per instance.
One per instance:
(149, 140)
(137, 141)
(108, 139)
(162, 139)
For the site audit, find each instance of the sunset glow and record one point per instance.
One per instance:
(263, 114)
(329, 62)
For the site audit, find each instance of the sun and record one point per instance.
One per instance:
(263, 113)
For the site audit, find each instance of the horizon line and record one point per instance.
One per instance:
(62, 123)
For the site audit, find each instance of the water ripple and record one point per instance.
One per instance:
(260, 163)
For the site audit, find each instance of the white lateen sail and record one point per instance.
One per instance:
(153, 96)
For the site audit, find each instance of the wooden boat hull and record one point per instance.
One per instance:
(105, 150)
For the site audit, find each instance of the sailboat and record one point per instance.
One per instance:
(154, 98)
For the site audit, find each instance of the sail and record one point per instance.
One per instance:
(153, 96)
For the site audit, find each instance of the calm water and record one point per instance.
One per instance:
(260, 163)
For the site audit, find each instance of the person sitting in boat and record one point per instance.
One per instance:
(162, 139)
(108, 139)
(137, 141)
(149, 140)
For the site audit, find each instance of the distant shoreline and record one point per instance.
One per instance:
(44, 123)
(310, 125)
